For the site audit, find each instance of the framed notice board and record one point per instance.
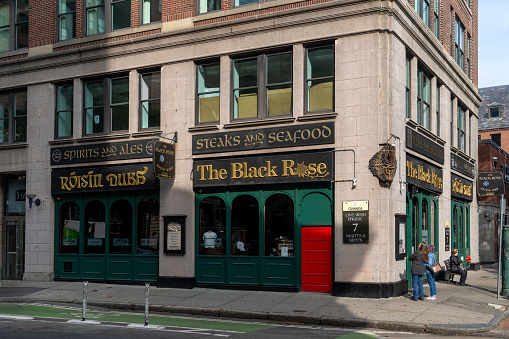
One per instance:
(175, 234)
(355, 222)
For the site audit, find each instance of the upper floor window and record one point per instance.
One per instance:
(66, 19)
(13, 27)
(422, 9)
(246, 2)
(151, 11)
(494, 112)
(106, 105)
(207, 93)
(64, 110)
(262, 86)
(104, 16)
(461, 129)
(205, 6)
(436, 15)
(407, 88)
(150, 99)
(459, 44)
(468, 55)
(423, 98)
(13, 116)
(496, 138)
(320, 78)
(437, 115)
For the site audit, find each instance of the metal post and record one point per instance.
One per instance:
(84, 314)
(502, 210)
(147, 290)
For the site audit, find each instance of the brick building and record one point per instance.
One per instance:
(297, 134)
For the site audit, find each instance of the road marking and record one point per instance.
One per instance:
(15, 317)
(87, 322)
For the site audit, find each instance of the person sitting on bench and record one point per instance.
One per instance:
(455, 263)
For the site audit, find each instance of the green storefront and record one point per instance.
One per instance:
(106, 217)
(460, 214)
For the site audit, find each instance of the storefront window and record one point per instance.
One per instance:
(212, 218)
(148, 227)
(279, 225)
(415, 224)
(455, 228)
(244, 230)
(95, 227)
(424, 225)
(461, 229)
(69, 227)
(121, 227)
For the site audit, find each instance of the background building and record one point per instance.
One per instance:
(316, 142)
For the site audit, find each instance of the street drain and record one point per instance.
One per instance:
(302, 311)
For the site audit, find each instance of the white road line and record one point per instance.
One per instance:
(15, 317)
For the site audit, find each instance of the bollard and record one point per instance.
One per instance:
(84, 313)
(147, 289)
(505, 260)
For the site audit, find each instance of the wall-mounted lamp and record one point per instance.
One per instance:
(30, 198)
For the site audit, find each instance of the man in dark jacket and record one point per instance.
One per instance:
(455, 263)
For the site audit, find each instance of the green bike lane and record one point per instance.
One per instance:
(38, 311)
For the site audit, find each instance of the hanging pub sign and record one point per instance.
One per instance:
(164, 160)
(287, 136)
(291, 167)
(461, 188)
(490, 184)
(424, 175)
(423, 145)
(98, 179)
(133, 149)
(355, 222)
(462, 166)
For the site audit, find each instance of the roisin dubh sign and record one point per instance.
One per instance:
(277, 137)
(292, 167)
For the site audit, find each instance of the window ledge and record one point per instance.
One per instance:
(429, 134)
(462, 155)
(147, 133)
(22, 51)
(203, 128)
(411, 123)
(13, 146)
(61, 141)
(252, 123)
(317, 116)
(103, 137)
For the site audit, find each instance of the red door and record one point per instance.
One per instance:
(316, 259)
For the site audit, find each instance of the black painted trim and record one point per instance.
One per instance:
(176, 282)
(368, 290)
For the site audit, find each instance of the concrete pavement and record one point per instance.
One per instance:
(460, 310)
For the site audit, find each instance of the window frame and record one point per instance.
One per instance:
(12, 117)
(106, 105)
(421, 103)
(108, 16)
(498, 136)
(198, 93)
(499, 110)
(408, 71)
(59, 27)
(261, 87)
(461, 128)
(436, 16)
(251, 3)
(142, 2)
(57, 111)
(459, 43)
(141, 100)
(198, 5)
(13, 26)
(422, 7)
(437, 114)
(306, 79)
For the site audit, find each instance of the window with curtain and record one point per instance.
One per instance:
(150, 99)
(64, 110)
(151, 11)
(66, 19)
(207, 92)
(320, 78)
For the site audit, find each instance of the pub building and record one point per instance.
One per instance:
(280, 145)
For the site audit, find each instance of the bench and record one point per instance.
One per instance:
(449, 276)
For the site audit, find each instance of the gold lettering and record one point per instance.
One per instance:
(237, 170)
(287, 168)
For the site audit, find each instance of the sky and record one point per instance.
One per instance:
(493, 43)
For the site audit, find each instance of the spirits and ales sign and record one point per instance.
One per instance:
(96, 179)
(461, 188)
(292, 167)
(490, 184)
(288, 136)
(423, 145)
(424, 175)
(164, 160)
(134, 149)
(355, 222)
(461, 165)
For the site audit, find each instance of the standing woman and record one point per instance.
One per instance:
(430, 274)
(419, 260)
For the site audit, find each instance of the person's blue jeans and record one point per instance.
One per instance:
(431, 283)
(417, 286)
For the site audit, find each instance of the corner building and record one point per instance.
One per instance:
(316, 143)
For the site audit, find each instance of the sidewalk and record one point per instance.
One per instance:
(460, 310)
